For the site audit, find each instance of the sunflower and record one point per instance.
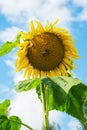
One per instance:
(46, 51)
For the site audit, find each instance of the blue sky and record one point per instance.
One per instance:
(15, 16)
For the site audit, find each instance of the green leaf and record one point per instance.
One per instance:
(58, 90)
(4, 107)
(15, 123)
(18, 38)
(8, 46)
(27, 85)
(65, 82)
(57, 96)
(4, 123)
(76, 104)
(12, 123)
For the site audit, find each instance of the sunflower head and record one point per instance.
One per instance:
(46, 51)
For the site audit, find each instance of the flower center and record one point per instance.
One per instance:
(47, 51)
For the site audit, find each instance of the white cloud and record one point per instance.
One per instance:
(82, 3)
(62, 13)
(10, 63)
(16, 76)
(21, 11)
(8, 34)
(82, 16)
(16, 9)
(5, 92)
(74, 125)
(24, 11)
(27, 106)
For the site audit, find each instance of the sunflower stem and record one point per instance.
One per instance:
(44, 95)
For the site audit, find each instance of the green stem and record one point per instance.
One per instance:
(22, 124)
(44, 95)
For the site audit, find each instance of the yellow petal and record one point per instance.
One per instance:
(27, 36)
(63, 70)
(56, 21)
(57, 72)
(51, 73)
(22, 64)
(25, 72)
(39, 27)
(32, 28)
(21, 67)
(67, 44)
(36, 73)
(68, 68)
(71, 54)
(43, 73)
(29, 69)
(32, 74)
(67, 61)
